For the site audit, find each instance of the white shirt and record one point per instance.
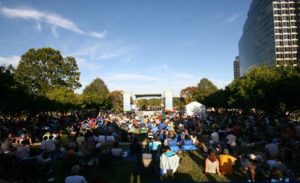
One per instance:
(169, 163)
(211, 167)
(75, 179)
(117, 152)
(215, 137)
(231, 140)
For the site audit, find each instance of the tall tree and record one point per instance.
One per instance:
(116, 101)
(63, 98)
(205, 88)
(41, 70)
(269, 89)
(178, 103)
(96, 94)
(189, 94)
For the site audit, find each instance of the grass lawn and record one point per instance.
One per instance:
(190, 170)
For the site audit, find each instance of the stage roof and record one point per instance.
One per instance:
(147, 95)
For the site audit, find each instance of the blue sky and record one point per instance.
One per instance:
(139, 46)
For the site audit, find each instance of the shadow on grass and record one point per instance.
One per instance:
(178, 177)
(196, 157)
(211, 178)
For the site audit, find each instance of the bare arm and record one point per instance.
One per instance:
(218, 168)
(205, 165)
(252, 172)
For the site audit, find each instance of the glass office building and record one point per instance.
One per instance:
(270, 34)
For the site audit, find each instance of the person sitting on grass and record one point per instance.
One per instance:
(75, 177)
(23, 150)
(227, 163)
(169, 161)
(116, 151)
(212, 164)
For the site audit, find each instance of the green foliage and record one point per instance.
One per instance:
(116, 101)
(63, 98)
(178, 103)
(14, 98)
(41, 70)
(96, 95)
(217, 99)
(269, 89)
(272, 89)
(189, 94)
(152, 102)
(205, 88)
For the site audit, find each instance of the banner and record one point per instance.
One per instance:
(126, 102)
(168, 101)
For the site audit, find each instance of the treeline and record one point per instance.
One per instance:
(271, 89)
(46, 81)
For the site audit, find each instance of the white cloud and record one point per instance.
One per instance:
(88, 66)
(232, 18)
(136, 83)
(102, 51)
(13, 60)
(52, 19)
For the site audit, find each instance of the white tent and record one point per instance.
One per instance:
(195, 108)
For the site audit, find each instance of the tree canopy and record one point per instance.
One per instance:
(116, 101)
(189, 94)
(41, 70)
(96, 94)
(205, 88)
(266, 88)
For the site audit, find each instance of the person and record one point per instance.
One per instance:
(50, 144)
(194, 139)
(69, 161)
(215, 137)
(101, 139)
(90, 141)
(231, 140)
(110, 139)
(116, 151)
(251, 168)
(168, 161)
(212, 164)
(276, 176)
(23, 150)
(43, 143)
(64, 138)
(272, 149)
(226, 163)
(80, 141)
(154, 145)
(75, 177)
(135, 147)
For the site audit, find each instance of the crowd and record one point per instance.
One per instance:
(258, 144)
